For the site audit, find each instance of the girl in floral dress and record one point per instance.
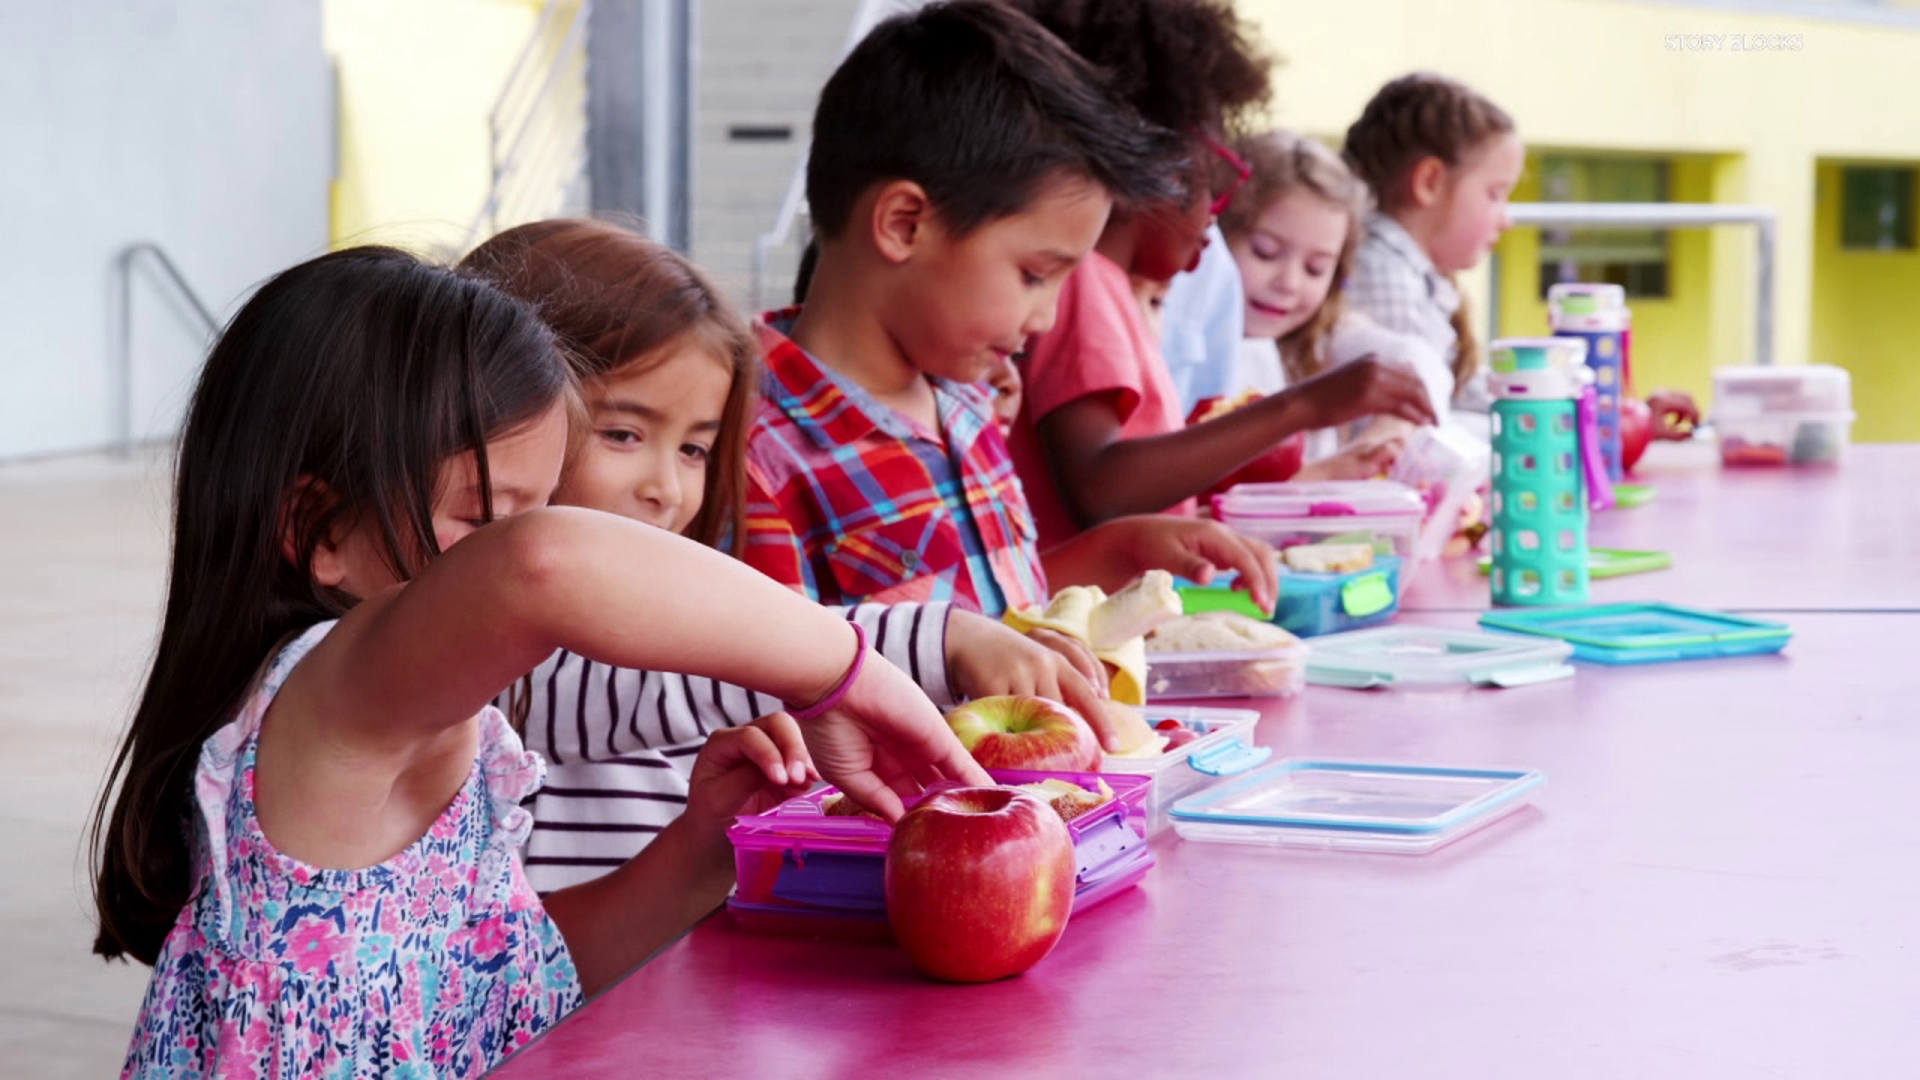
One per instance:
(312, 838)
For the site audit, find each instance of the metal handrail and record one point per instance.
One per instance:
(521, 149)
(122, 362)
(1673, 216)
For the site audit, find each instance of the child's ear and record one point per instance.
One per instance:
(308, 501)
(901, 214)
(1429, 175)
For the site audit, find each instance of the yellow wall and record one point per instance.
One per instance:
(1675, 342)
(417, 79)
(1597, 75)
(1866, 318)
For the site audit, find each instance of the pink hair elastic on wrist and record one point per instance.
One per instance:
(839, 692)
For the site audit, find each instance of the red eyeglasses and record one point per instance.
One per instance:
(1241, 173)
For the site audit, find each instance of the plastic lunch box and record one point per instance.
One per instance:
(1279, 671)
(1287, 514)
(1788, 415)
(1312, 604)
(799, 871)
(1224, 748)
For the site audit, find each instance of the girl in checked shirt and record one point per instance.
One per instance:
(667, 371)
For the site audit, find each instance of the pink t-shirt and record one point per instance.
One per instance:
(1099, 344)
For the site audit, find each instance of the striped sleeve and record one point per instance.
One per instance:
(913, 637)
(621, 743)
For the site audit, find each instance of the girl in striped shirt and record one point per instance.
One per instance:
(667, 370)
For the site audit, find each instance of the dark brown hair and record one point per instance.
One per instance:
(1283, 163)
(1189, 66)
(357, 374)
(1410, 119)
(981, 107)
(620, 301)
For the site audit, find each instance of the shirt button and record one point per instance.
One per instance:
(909, 559)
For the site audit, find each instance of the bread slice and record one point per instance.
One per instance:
(1136, 737)
(1218, 631)
(1133, 611)
(1328, 558)
(1070, 800)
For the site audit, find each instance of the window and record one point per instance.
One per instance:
(1876, 208)
(1636, 259)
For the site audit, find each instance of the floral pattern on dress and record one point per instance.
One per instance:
(438, 962)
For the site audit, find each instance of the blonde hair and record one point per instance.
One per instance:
(1413, 118)
(1283, 163)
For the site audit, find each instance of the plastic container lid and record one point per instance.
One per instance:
(1431, 655)
(1773, 390)
(1537, 369)
(1645, 633)
(1585, 305)
(1383, 503)
(1406, 809)
(1605, 563)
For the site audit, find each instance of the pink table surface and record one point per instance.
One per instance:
(1721, 879)
(1745, 539)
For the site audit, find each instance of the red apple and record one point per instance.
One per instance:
(1016, 731)
(979, 883)
(1636, 430)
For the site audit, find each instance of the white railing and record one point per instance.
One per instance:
(537, 131)
(1670, 216)
(120, 364)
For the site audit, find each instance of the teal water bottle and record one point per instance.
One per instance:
(1539, 535)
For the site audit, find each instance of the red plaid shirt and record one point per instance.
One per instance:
(850, 501)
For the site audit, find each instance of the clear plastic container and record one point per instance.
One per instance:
(1271, 672)
(1784, 438)
(1446, 467)
(1436, 656)
(800, 871)
(1354, 806)
(1224, 748)
(1789, 415)
(1315, 604)
(1289, 514)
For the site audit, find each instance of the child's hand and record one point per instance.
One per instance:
(1188, 547)
(1368, 386)
(986, 657)
(745, 770)
(1671, 409)
(873, 743)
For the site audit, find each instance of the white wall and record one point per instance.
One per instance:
(204, 125)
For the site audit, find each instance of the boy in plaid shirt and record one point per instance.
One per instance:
(963, 163)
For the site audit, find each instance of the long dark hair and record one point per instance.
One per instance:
(622, 302)
(334, 396)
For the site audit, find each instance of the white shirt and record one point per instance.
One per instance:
(1202, 320)
(620, 743)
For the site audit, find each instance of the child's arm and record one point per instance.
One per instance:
(616, 921)
(501, 600)
(1114, 553)
(1100, 475)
